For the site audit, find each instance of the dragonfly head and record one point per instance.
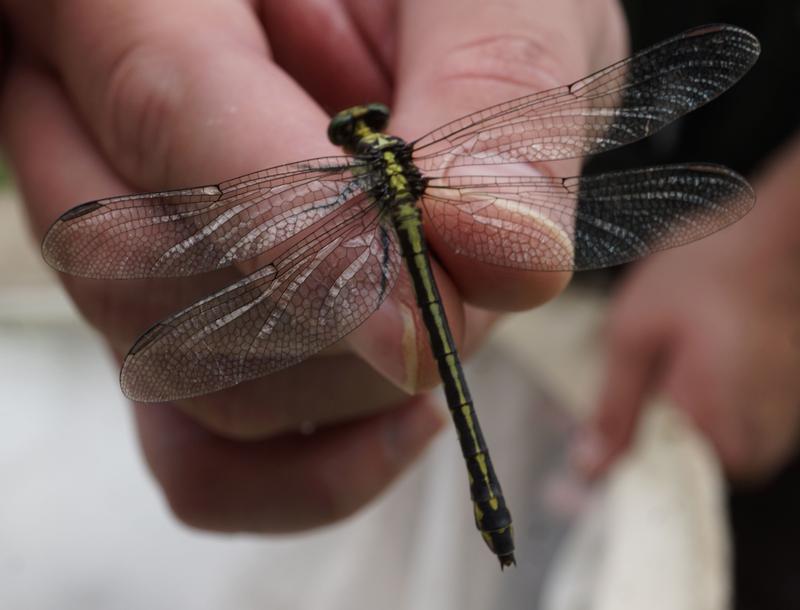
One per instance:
(348, 126)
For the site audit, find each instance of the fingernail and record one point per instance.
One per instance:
(410, 430)
(388, 342)
(409, 349)
(588, 453)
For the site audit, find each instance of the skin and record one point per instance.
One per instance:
(103, 98)
(107, 97)
(729, 354)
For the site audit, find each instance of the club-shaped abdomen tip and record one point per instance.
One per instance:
(507, 560)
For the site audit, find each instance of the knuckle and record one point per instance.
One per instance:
(513, 64)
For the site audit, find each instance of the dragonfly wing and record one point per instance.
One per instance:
(305, 300)
(188, 231)
(620, 104)
(572, 224)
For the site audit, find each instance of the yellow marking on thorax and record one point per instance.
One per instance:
(397, 178)
(394, 170)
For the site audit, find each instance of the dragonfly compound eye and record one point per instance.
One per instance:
(376, 116)
(340, 129)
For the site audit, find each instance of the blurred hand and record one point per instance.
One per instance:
(108, 97)
(716, 327)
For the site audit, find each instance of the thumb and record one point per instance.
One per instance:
(452, 62)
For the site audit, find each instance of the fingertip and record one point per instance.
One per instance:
(501, 288)
(485, 52)
(506, 247)
(341, 67)
(483, 56)
(388, 342)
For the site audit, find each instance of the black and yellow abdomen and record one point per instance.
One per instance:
(358, 131)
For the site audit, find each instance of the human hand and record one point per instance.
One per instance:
(104, 98)
(716, 326)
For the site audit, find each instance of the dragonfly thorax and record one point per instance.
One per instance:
(359, 131)
(389, 158)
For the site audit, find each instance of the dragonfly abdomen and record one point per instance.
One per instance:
(492, 516)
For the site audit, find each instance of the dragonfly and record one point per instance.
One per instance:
(333, 235)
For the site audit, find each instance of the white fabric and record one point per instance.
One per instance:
(654, 537)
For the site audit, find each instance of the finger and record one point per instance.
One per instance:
(344, 388)
(396, 342)
(633, 362)
(173, 98)
(341, 57)
(739, 390)
(184, 92)
(452, 62)
(56, 166)
(377, 24)
(285, 484)
(33, 112)
(50, 153)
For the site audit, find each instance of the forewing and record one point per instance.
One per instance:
(188, 231)
(309, 298)
(589, 222)
(617, 105)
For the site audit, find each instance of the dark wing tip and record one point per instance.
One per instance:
(77, 212)
(745, 189)
(80, 210)
(745, 40)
